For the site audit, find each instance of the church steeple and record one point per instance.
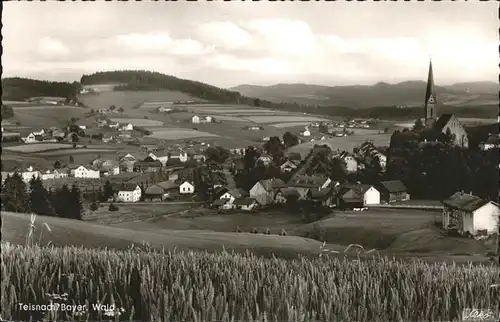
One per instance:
(430, 96)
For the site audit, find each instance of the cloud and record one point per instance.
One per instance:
(162, 43)
(224, 34)
(52, 48)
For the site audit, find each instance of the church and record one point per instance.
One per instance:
(445, 123)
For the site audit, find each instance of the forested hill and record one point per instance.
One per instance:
(20, 89)
(146, 80)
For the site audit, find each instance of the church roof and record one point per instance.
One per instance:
(442, 121)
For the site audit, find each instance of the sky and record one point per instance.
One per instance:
(262, 43)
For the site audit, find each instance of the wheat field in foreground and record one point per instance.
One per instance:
(197, 286)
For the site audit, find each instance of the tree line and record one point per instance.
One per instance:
(7, 112)
(18, 197)
(20, 89)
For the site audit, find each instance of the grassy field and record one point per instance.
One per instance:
(342, 143)
(290, 124)
(39, 118)
(137, 122)
(280, 119)
(144, 284)
(178, 133)
(38, 147)
(129, 100)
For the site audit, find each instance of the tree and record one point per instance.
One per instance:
(112, 207)
(94, 206)
(57, 164)
(76, 208)
(71, 159)
(337, 170)
(256, 102)
(121, 110)
(14, 195)
(217, 154)
(74, 137)
(112, 107)
(274, 147)
(39, 199)
(419, 125)
(61, 201)
(107, 191)
(290, 139)
(250, 157)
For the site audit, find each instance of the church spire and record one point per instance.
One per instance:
(430, 96)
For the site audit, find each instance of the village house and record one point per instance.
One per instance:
(393, 190)
(288, 166)
(491, 143)
(228, 195)
(286, 195)
(468, 213)
(265, 159)
(195, 119)
(114, 125)
(324, 197)
(164, 109)
(161, 190)
(88, 172)
(208, 119)
(350, 162)
(127, 166)
(253, 128)
(54, 174)
(368, 193)
(247, 204)
(179, 157)
(186, 188)
(264, 190)
(102, 123)
(30, 138)
(306, 132)
(303, 183)
(128, 192)
(127, 127)
(148, 165)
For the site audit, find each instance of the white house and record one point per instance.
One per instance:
(306, 132)
(129, 193)
(30, 138)
(195, 119)
(29, 173)
(83, 127)
(41, 132)
(371, 196)
(264, 190)
(127, 127)
(182, 156)
(164, 109)
(288, 166)
(55, 174)
(246, 203)
(469, 213)
(114, 125)
(350, 162)
(85, 172)
(266, 159)
(208, 119)
(186, 187)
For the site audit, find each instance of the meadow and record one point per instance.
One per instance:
(178, 133)
(343, 143)
(130, 100)
(144, 284)
(290, 124)
(281, 119)
(38, 147)
(137, 122)
(39, 118)
(68, 152)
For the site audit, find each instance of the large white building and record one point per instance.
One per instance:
(85, 172)
(195, 119)
(54, 174)
(128, 193)
(186, 188)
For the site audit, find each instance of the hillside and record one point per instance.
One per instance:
(20, 89)
(408, 93)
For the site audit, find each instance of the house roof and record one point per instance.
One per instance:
(237, 193)
(219, 191)
(219, 202)
(318, 193)
(271, 184)
(126, 186)
(289, 191)
(464, 201)
(359, 188)
(288, 163)
(309, 181)
(442, 121)
(244, 201)
(188, 181)
(155, 163)
(393, 186)
(167, 185)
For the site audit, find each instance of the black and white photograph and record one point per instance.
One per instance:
(250, 161)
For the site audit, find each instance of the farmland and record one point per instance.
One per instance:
(74, 151)
(130, 100)
(326, 289)
(38, 118)
(38, 147)
(279, 119)
(290, 124)
(137, 122)
(343, 143)
(178, 133)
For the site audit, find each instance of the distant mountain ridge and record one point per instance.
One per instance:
(408, 93)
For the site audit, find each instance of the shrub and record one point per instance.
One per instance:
(113, 207)
(283, 232)
(238, 230)
(94, 206)
(268, 232)
(255, 231)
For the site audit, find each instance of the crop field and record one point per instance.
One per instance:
(230, 118)
(44, 118)
(278, 119)
(343, 143)
(42, 107)
(38, 147)
(289, 124)
(130, 100)
(239, 111)
(178, 133)
(138, 122)
(145, 284)
(73, 152)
